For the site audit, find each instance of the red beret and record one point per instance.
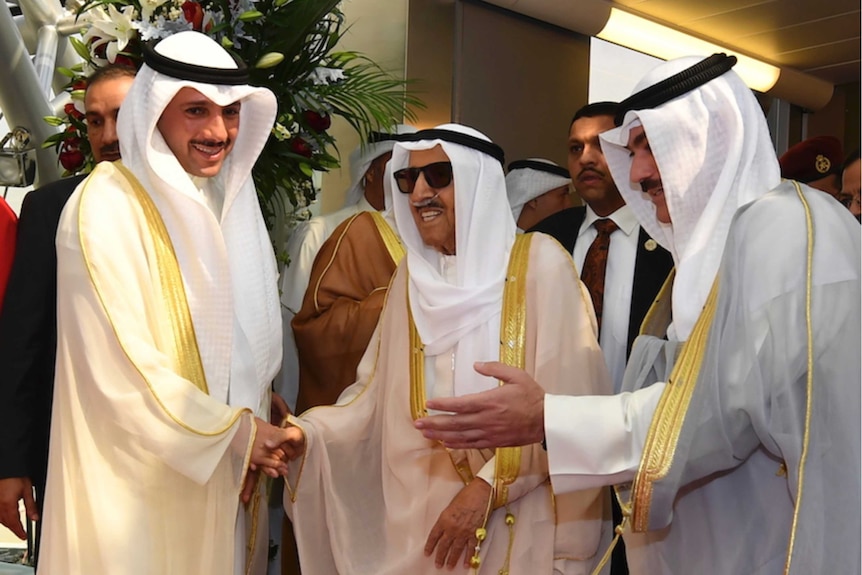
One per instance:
(812, 159)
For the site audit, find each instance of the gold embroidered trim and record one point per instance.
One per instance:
(332, 259)
(160, 253)
(669, 416)
(809, 380)
(507, 462)
(389, 237)
(251, 545)
(186, 354)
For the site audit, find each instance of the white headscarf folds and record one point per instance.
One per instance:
(464, 315)
(714, 154)
(226, 259)
(529, 179)
(364, 154)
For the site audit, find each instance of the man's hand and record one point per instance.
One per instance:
(278, 409)
(509, 415)
(455, 530)
(266, 452)
(12, 490)
(251, 479)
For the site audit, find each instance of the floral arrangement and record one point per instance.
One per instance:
(289, 46)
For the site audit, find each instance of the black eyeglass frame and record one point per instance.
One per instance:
(409, 176)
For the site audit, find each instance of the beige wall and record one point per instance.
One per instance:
(516, 79)
(378, 30)
(519, 81)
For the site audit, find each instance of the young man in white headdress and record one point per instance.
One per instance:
(370, 494)
(737, 442)
(537, 189)
(168, 333)
(367, 166)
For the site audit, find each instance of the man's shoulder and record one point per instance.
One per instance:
(547, 255)
(562, 219)
(53, 193)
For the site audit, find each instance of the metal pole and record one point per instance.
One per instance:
(22, 99)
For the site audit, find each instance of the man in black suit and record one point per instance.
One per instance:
(636, 266)
(28, 334)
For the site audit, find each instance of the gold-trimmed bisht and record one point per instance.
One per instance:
(507, 460)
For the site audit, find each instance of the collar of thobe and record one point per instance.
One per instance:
(624, 218)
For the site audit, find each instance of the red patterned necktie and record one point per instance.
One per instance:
(595, 264)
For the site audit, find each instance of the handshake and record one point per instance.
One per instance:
(273, 446)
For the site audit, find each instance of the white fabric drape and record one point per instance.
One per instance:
(719, 159)
(238, 326)
(484, 233)
(371, 486)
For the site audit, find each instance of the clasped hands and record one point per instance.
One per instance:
(273, 447)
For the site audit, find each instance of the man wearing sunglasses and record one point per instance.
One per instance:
(370, 494)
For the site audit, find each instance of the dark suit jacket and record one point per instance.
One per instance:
(651, 267)
(28, 336)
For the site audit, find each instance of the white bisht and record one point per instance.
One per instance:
(752, 460)
(160, 366)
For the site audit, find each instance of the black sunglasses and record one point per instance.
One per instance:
(437, 175)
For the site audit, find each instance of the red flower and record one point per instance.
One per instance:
(300, 147)
(71, 158)
(72, 111)
(317, 122)
(121, 60)
(193, 13)
(80, 85)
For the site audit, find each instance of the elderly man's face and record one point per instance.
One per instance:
(199, 132)
(102, 104)
(433, 208)
(645, 172)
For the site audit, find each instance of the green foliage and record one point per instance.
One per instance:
(294, 44)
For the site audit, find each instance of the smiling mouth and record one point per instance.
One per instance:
(208, 148)
(428, 214)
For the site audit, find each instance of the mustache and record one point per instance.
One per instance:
(433, 201)
(647, 185)
(212, 143)
(590, 171)
(112, 148)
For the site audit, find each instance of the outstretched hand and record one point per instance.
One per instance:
(509, 415)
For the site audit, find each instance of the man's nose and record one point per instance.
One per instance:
(216, 128)
(640, 170)
(109, 132)
(421, 189)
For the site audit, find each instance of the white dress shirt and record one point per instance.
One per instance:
(619, 280)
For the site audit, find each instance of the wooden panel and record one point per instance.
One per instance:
(519, 81)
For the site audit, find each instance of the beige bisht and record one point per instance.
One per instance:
(160, 363)
(365, 497)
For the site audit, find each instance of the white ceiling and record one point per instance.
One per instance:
(816, 37)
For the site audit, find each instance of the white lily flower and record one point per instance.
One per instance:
(148, 7)
(113, 25)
